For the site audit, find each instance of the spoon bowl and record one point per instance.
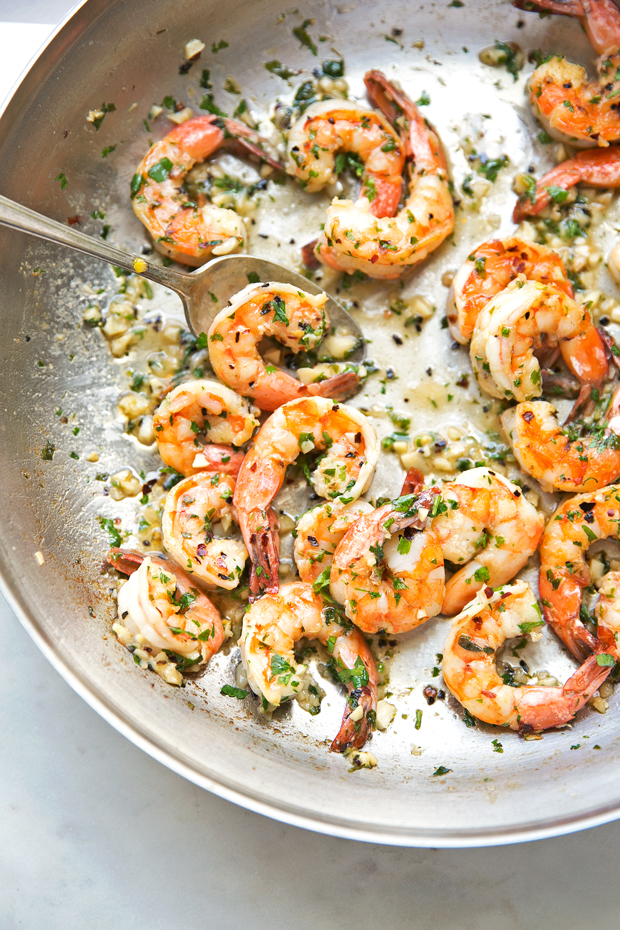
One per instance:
(222, 277)
(203, 292)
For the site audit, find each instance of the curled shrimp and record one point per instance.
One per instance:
(344, 472)
(571, 108)
(469, 664)
(319, 532)
(354, 239)
(272, 626)
(320, 529)
(388, 570)
(607, 614)
(564, 571)
(486, 528)
(330, 127)
(599, 169)
(489, 269)
(570, 458)
(509, 329)
(196, 424)
(163, 610)
(192, 509)
(180, 228)
(293, 317)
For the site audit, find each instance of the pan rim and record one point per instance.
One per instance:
(10, 109)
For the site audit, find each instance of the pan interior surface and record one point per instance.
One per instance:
(130, 54)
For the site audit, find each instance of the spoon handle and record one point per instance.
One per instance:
(16, 216)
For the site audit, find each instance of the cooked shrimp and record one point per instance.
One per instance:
(354, 239)
(388, 568)
(559, 457)
(571, 108)
(576, 524)
(160, 605)
(599, 168)
(192, 509)
(489, 269)
(275, 623)
(470, 673)
(330, 127)
(320, 529)
(196, 424)
(485, 522)
(180, 228)
(510, 327)
(607, 614)
(343, 473)
(293, 317)
(319, 532)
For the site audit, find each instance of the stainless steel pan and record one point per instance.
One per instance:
(129, 53)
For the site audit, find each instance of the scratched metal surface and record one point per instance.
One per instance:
(281, 768)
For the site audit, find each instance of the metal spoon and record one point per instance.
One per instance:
(221, 277)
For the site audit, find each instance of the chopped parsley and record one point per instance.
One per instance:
(301, 33)
(230, 691)
(113, 533)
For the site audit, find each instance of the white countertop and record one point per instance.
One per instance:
(95, 834)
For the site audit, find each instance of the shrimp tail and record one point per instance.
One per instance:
(309, 256)
(588, 677)
(596, 167)
(575, 636)
(563, 7)
(421, 504)
(251, 141)
(584, 404)
(565, 384)
(413, 483)
(386, 97)
(126, 561)
(537, 711)
(264, 552)
(421, 146)
(599, 18)
(425, 500)
(355, 730)
(338, 387)
(354, 733)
